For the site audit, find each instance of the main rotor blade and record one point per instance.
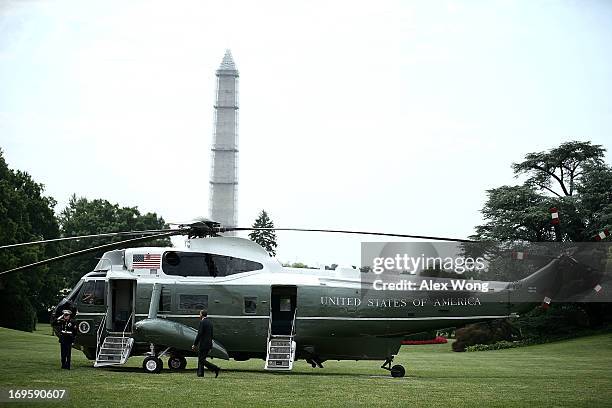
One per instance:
(384, 234)
(94, 249)
(108, 234)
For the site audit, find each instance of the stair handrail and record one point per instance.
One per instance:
(123, 348)
(127, 323)
(269, 328)
(99, 335)
(293, 322)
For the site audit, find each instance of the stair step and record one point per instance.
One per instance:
(111, 352)
(278, 363)
(109, 358)
(279, 357)
(281, 353)
(114, 351)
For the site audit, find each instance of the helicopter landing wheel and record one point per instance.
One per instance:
(152, 365)
(398, 371)
(177, 362)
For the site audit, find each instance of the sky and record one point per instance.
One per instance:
(392, 116)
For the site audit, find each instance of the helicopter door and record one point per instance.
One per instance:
(120, 314)
(283, 303)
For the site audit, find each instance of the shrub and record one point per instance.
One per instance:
(19, 314)
(559, 319)
(536, 340)
(483, 333)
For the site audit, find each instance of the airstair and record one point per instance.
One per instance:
(115, 348)
(281, 349)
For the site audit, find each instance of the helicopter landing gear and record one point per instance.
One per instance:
(176, 362)
(397, 371)
(152, 365)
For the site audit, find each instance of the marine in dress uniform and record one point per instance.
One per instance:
(67, 331)
(203, 343)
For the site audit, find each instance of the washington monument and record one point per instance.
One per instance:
(224, 172)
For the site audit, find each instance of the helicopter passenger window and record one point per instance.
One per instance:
(165, 300)
(193, 302)
(250, 305)
(227, 265)
(199, 264)
(285, 304)
(92, 293)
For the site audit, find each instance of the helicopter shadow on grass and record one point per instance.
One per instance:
(192, 371)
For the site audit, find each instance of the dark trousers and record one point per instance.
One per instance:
(202, 353)
(66, 348)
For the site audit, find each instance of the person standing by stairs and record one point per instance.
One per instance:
(67, 330)
(203, 342)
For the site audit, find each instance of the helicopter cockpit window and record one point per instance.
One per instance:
(75, 291)
(199, 264)
(92, 293)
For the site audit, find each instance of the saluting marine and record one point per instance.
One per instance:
(67, 331)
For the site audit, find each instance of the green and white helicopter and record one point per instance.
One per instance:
(146, 301)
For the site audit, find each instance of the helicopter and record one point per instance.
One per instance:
(146, 301)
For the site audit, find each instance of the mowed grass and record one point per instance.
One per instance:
(571, 373)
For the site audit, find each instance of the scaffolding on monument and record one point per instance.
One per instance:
(224, 149)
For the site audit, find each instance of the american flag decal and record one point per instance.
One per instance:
(146, 261)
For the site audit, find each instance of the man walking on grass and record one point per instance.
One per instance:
(203, 343)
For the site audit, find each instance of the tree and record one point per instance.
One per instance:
(575, 180)
(300, 265)
(572, 178)
(25, 215)
(265, 238)
(84, 217)
(561, 167)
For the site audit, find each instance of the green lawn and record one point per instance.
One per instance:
(569, 373)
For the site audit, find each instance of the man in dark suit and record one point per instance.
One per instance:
(203, 342)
